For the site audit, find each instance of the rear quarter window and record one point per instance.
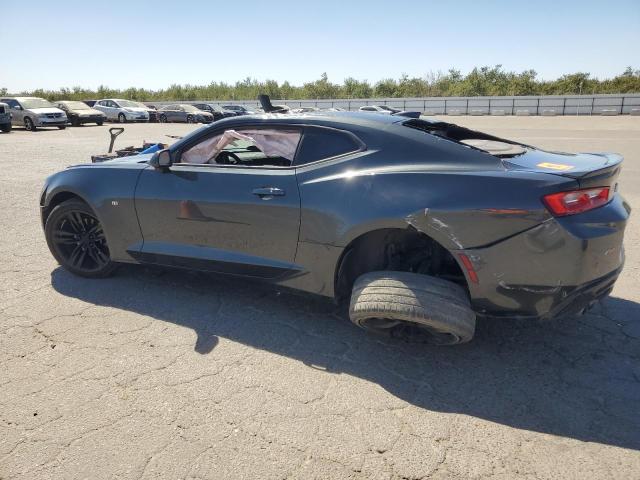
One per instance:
(320, 143)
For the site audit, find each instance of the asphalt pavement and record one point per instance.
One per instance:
(164, 374)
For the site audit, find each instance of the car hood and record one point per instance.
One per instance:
(86, 111)
(45, 110)
(130, 159)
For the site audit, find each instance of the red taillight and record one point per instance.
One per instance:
(576, 201)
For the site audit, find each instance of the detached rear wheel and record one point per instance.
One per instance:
(77, 241)
(412, 307)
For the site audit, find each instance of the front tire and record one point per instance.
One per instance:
(6, 127)
(413, 307)
(122, 118)
(62, 127)
(99, 123)
(77, 241)
(163, 119)
(29, 125)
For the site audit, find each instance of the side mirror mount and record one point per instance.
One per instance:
(161, 160)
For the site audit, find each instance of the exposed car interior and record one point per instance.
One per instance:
(498, 147)
(251, 148)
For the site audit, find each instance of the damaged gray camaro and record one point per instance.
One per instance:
(420, 226)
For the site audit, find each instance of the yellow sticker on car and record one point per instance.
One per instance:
(554, 166)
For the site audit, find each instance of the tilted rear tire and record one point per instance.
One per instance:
(412, 307)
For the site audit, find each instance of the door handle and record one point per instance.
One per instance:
(268, 192)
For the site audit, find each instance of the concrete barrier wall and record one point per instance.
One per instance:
(530, 105)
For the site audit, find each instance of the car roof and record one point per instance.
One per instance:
(365, 119)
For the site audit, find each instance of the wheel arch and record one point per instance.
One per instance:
(56, 199)
(393, 248)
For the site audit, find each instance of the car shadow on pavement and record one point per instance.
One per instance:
(573, 377)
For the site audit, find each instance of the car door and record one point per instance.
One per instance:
(109, 109)
(178, 114)
(17, 113)
(170, 113)
(100, 105)
(115, 109)
(224, 218)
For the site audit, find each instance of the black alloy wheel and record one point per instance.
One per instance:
(76, 239)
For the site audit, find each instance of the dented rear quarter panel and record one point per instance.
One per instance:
(458, 207)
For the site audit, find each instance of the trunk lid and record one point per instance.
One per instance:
(589, 169)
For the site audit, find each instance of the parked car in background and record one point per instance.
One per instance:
(122, 111)
(80, 113)
(183, 113)
(215, 110)
(151, 111)
(379, 109)
(305, 110)
(238, 109)
(5, 118)
(34, 112)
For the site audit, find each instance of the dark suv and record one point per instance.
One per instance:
(5, 118)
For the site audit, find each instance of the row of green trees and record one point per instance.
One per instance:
(478, 82)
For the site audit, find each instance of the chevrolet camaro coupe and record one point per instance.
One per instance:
(419, 226)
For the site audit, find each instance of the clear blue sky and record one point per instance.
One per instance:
(152, 44)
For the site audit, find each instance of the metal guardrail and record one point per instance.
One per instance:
(529, 105)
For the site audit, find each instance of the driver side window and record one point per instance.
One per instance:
(257, 147)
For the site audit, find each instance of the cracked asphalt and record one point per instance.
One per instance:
(167, 374)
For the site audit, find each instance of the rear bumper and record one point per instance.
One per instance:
(573, 301)
(556, 268)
